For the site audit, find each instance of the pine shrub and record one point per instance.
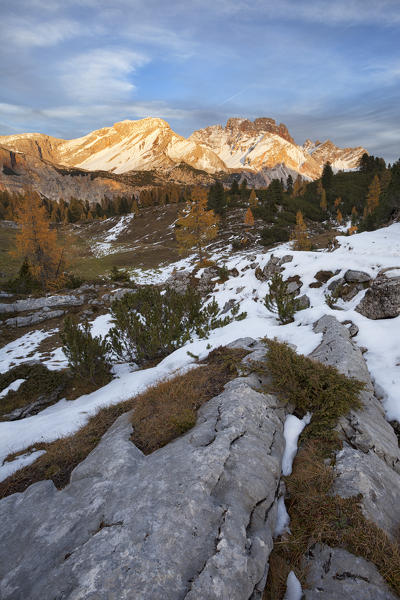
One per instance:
(87, 355)
(150, 323)
(280, 301)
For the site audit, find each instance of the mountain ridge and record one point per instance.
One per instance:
(150, 143)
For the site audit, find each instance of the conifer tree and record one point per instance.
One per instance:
(253, 200)
(298, 188)
(196, 225)
(243, 190)
(327, 176)
(374, 191)
(289, 185)
(279, 300)
(339, 216)
(216, 199)
(37, 243)
(249, 219)
(323, 203)
(234, 188)
(299, 235)
(354, 215)
(338, 202)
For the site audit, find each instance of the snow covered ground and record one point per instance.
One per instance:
(368, 252)
(105, 246)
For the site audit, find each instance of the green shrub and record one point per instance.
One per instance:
(273, 235)
(39, 382)
(279, 300)
(150, 324)
(118, 275)
(86, 354)
(25, 282)
(223, 273)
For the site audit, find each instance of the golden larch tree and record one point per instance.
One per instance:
(196, 226)
(37, 243)
(339, 216)
(338, 202)
(374, 191)
(248, 218)
(298, 187)
(253, 200)
(300, 235)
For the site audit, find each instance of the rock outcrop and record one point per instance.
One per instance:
(46, 302)
(368, 464)
(382, 299)
(193, 520)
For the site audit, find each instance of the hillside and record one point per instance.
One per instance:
(201, 473)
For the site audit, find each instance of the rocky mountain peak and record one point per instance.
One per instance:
(258, 126)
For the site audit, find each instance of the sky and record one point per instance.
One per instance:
(325, 69)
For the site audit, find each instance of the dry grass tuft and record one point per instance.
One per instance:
(162, 413)
(166, 411)
(315, 514)
(335, 521)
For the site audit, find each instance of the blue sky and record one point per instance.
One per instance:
(325, 69)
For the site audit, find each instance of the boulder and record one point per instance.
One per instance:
(335, 574)
(274, 265)
(352, 276)
(335, 284)
(352, 328)
(207, 281)
(382, 299)
(321, 278)
(294, 284)
(303, 302)
(192, 520)
(179, 281)
(112, 296)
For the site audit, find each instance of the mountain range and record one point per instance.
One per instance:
(108, 160)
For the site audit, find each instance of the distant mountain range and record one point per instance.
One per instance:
(258, 150)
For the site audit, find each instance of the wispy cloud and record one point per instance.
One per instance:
(31, 32)
(101, 74)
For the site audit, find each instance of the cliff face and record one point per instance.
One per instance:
(20, 172)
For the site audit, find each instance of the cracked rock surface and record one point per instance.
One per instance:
(335, 574)
(193, 520)
(368, 464)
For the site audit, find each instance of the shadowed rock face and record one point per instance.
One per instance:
(193, 520)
